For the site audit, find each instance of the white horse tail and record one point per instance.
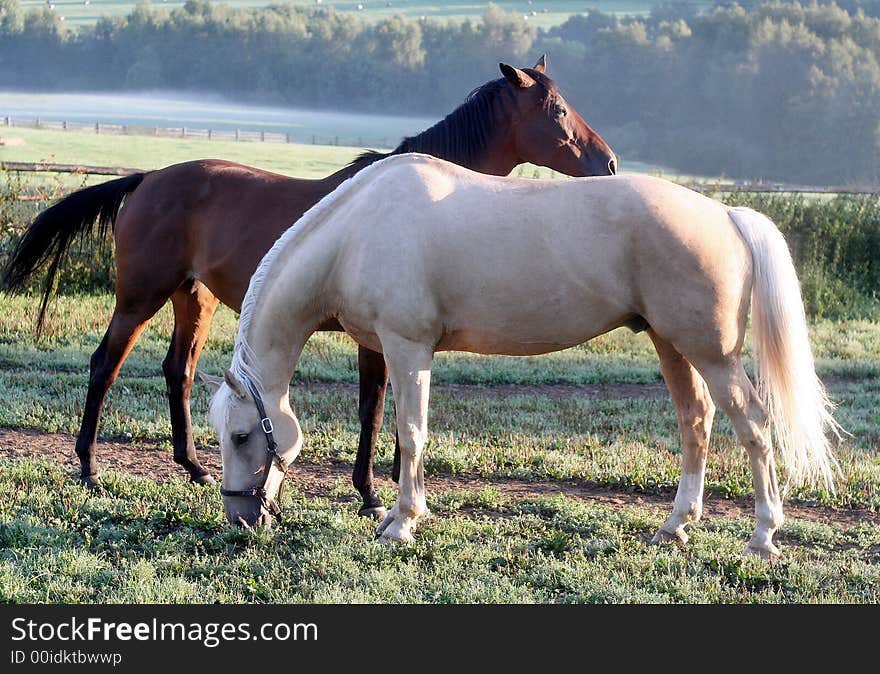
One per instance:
(799, 408)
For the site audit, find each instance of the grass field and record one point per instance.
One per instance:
(493, 418)
(542, 13)
(546, 475)
(149, 152)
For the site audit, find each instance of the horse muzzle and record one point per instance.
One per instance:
(250, 512)
(603, 165)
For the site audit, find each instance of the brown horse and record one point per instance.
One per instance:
(194, 232)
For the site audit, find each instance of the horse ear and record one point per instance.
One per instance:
(208, 380)
(234, 384)
(541, 65)
(515, 76)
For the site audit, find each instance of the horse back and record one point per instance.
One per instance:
(443, 249)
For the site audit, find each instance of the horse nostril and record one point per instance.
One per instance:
(612, 167)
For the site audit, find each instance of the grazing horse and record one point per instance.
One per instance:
(415, 255)
(195, 232)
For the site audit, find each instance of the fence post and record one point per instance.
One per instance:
(336, 141)
(286, 137)
(97, 127)
(237, 134)
(8, 121)
(209, 134)
(183, 132)
(38, 123)
(64, 126)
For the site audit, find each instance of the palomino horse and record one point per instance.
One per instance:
(195, 232)
(416, 255)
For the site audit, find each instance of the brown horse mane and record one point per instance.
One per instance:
(464, 135)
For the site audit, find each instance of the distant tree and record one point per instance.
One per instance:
(10, 17)
(44, 24)
(146, 71)
(506, 34)
(777, 89)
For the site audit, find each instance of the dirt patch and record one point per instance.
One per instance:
(12, 142)
(322, 479)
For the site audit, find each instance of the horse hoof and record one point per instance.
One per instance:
(399, 539)
(375, 512)
(90, 481)
(205, 479)
(663, 537)
(772, 555)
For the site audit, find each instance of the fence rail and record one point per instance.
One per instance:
(706, 187)
(783, 188)
(195, 133)
(43, 167)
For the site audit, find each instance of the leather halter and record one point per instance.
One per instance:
(267, 503)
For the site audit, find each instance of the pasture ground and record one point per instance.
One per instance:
(149, 152)
(546, 476)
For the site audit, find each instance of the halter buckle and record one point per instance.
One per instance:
(267, 426)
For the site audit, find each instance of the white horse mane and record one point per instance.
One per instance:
(298, 229)
(243, 359)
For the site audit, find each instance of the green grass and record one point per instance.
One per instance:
(144, 542)
(150, 152)
(628, 443)
(139, 542)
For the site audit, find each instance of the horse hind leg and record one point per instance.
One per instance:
(371, 412)
(194, 307)
(126, 325)
(695, 415)
(735, 395)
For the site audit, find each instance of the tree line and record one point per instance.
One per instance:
(776, 90)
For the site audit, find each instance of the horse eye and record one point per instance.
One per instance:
(561, 111)
(240, 438)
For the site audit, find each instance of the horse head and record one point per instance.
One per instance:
(549, 131)
(259, 439)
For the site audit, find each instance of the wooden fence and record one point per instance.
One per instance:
(194, 133)
(706, 187)
(43, 167)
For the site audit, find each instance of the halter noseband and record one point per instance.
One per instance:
(267, 503)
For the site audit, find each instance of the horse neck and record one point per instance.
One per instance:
(479, 137)
(288, 309)
(492, 151)
(498, 159)
(361, 162)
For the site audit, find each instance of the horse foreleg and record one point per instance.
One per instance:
(410, 366)
(371, 412)
(122, 333)
(695, 414)
(194, 307)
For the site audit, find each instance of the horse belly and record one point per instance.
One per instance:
(530, 333)
(496, 344)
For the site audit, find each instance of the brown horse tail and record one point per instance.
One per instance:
(50, 236)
